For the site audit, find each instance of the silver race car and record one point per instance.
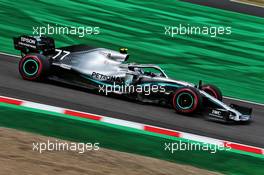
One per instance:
(107, 72)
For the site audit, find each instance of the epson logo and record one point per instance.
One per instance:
(28, 40)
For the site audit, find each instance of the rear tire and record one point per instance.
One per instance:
(187, 100)
(34, 67)
(213, 91)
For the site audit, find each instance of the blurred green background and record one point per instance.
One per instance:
(233, 62)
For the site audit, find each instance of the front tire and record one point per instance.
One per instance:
(33, 67)
(213, 91)
(187, 100)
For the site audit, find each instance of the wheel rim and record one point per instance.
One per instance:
(185, 101)
(30, 67)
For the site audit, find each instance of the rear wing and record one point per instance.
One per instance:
(34, 44)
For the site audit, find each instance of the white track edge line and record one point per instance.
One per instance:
(245, 101)
(11, 55)
(247, 3)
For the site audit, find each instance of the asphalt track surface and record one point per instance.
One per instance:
(231, 6)
(12, 85)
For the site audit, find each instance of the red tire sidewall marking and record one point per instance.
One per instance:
(195, 100)
(34, 58)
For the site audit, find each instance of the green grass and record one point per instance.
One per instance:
(233, 62)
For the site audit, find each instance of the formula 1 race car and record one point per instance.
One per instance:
(108, 72)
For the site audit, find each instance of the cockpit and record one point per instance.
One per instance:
(148, 70)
